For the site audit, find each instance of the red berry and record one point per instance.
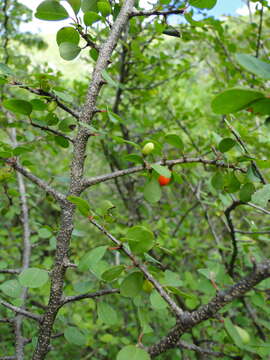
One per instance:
(163, 180)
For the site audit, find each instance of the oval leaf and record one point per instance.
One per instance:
(69, 51)
(74, 336)
(132, 352)
(18, 106)
(67, 34)
(140, 239)
(113, 273)
(162, 170)
(203, 4)
(230, 101)
(226, 145)
(51, 10)
(92, 258)
(11, 288)
(174, 140)
(152, 191)
(106, 313)
(91, 17)
(33, 277)
(132, 285)
(254, 65)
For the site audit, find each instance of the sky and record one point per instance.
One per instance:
(223, 7)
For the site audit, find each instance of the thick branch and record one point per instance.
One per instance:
(171, 163)
(205, 312)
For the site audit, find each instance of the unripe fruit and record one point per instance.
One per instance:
(147, 286)
(163, 180)
(244, 335)
(148, 148)
(52, 106)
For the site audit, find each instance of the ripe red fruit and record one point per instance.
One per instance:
(163, 180)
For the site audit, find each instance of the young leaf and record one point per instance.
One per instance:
(104, 7)
(81, 204)
(90, 17)
(33, 277)
(51, 10)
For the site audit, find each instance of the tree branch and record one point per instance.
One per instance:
(50, 95)
(21, 311)
(259, 273)
(157, 12)
(36, 180)
(170, 163)
(55, 132)
(202, 351)
(74, 298)
(173, 306)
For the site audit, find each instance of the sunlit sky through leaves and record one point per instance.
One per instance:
(223, 7)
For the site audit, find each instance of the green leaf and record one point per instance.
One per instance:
(231, 330)
(74, 336)
(33, 277)
(91, 17)
(110, 81)
(51, 10)
(132, 285)
(174, 140)
(233, 100)
(94, 54)
(104, 7)
(246, 192)
(203, 4)
(75, 4)
(254, 65)
(18, 106)
(172, 279)
(113, 273)
(106, 313)
(67, 34)
(232, 183)
(81, 204)
(261, 106)
(92, 258)
(262, 196)
(38, 105)
(83, 287)
(61, 141)
(89, 5)
(157, 302)
(226, 145)
(114, 117)
(6, 70)
(161, 170)
(152, 191)
(132, 352)
(11, 288)
(69, 51)
(218, 181)
(44, 233)
(140, 239)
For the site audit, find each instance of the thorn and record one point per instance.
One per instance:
(115, 248)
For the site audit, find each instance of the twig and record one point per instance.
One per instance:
(69, 299)
(173, 306)
(252, 232)
(48, 94)
(227, 213)
(259, 35)
(55, 132)
(21, 311)
(202, 351)
(10, 271)
(181, 220)
(170, 163)
(36, 180)
(157, 12)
